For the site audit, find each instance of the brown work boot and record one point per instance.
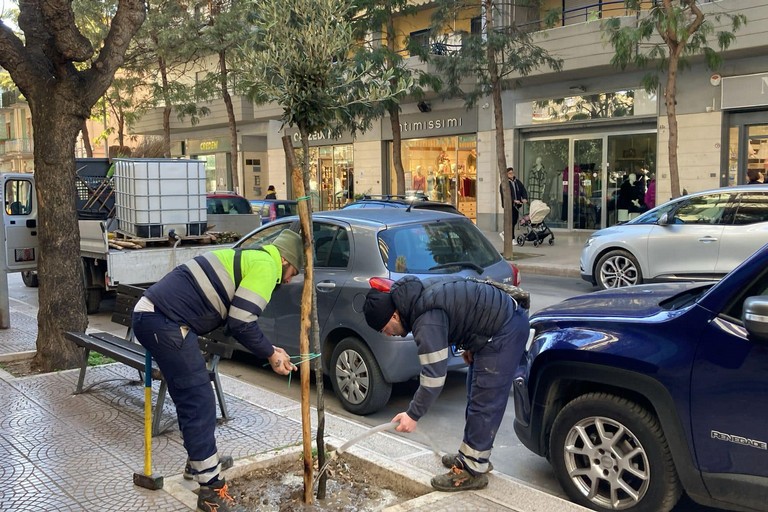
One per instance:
(226, 462)
(216, 498)
(452, 459)
(458, 479)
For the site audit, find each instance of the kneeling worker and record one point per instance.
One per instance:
(223, 287)
(491, 328)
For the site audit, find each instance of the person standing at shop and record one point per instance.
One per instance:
(519, 198)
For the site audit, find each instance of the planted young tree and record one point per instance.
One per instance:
(685, 32)
(299, 58)
(485, 64)
(43, 63)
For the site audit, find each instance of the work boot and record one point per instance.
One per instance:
(216, 498)
(452, 459)
(225, 460)
(458, 479)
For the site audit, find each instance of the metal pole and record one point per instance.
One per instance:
(5, 307)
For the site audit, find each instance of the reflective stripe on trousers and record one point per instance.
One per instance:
(183, 367)
(489, 382)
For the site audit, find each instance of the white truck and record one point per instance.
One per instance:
(104, 264)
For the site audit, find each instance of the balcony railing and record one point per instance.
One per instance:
(8, 98)
(16, 146)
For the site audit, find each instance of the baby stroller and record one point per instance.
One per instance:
(536, 229)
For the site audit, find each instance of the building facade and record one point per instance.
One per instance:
(588, 140)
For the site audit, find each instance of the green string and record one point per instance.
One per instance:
(302, 198)
(301, 358)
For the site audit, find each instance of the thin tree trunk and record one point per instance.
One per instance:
(498, 119)
(232, 121)
(166, 109)
(394, 118)
(87, 140)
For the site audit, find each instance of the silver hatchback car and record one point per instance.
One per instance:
(351, 247)
(701, 236)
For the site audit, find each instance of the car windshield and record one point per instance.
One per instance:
(431, 248)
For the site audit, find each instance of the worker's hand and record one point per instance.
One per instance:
(406, 423)
(280, 362)
(467, 356)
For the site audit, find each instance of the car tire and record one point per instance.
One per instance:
(617, 269)
(595, 468)
(30, 279)
(357, 379)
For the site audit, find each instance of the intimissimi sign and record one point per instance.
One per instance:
(433, 124)
(745, 91)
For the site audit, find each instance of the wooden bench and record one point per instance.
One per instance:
(128, 351)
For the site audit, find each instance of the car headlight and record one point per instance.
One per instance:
(589, 241)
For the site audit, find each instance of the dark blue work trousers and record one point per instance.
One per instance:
(489, 382)
(189, 384)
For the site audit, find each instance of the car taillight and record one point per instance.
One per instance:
(516, 279)
(272, 212)
(380, 283)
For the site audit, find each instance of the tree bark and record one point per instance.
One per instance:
(394, 118)
(232, 121)
(498, 119)
(87, 140)
(62, 291)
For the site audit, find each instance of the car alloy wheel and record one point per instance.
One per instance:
(357, 379)
(610, 454)
(617, 269)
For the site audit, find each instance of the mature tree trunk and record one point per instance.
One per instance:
(62, 291)
(60, 97)
(232, 121)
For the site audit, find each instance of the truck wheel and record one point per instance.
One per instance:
(356, 378)
(610, 454)
(617, 269)
(30, 278)
(92, 300)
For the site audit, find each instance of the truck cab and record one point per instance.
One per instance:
(19, 217)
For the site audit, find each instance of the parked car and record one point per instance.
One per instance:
(225, 202)
(353, 246)
(272, 209)
(419, 201)
(700, 236)
(636, 395)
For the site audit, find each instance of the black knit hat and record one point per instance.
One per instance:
(378, 309)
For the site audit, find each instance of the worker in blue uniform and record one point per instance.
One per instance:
(491, 328)
(225, 287)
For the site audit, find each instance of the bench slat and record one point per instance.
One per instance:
(131, 354)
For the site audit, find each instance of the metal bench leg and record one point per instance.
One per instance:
(159, 408)
(214, 373)
(81, 377)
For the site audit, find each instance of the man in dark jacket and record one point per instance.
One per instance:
(491, 329)
(519, 197)
(223, 287)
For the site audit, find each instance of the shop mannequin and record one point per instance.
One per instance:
(419, 180)
(629, 198)
(471, 163)
(537, 181)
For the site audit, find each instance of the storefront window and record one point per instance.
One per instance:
(441, 169)
(331, 176)
(590, 182)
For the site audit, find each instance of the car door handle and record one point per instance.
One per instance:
(326, 286)
(707, 239)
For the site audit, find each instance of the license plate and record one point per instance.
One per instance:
(26, 254)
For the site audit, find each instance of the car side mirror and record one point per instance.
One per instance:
(663, 220)
(755, 316)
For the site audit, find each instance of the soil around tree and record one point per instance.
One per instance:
(351, 487)
(21, 367)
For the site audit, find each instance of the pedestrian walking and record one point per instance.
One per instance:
(225, 287)
(471, 315)
(519, 198)
(271, 193)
